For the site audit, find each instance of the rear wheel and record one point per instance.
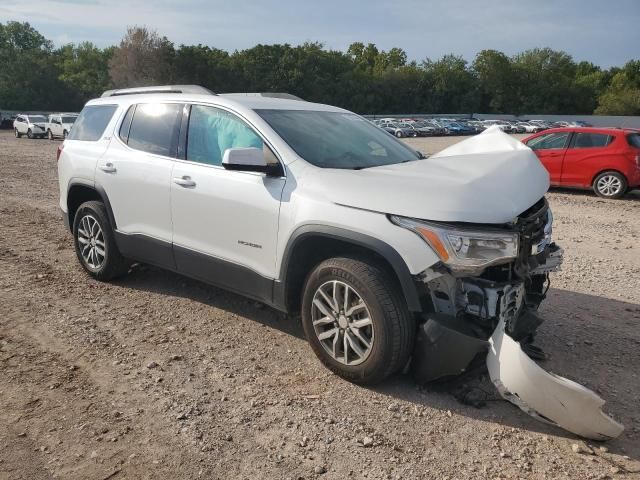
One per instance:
(29, 134)
(17, 133)
(50, 134)
(95, 243)
(356, 320)
(64, 134)
(610, 185)
(399, 134)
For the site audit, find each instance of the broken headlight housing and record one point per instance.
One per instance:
(462, 250)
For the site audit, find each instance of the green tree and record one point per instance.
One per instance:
(497, 82)
(28, 75)
(622, 97)
(84, 69)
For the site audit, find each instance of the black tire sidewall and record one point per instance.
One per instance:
(97, 211)
(29, 134)
(379, 358)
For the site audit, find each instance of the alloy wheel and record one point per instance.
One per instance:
(91, 242)
(609, 185)
(342, 322)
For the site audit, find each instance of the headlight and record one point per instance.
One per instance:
(464, 251)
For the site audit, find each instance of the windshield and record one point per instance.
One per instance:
(337, 139)
(37, 118)
(68, 119)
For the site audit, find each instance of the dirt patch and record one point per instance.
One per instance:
(157, 376)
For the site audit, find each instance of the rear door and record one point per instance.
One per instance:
(225, 223)
(550, 149)
(583, 159)
(135, 173)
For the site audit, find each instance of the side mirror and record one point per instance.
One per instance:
(249, 159)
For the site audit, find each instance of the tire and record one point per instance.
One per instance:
(50, 134)
(29, 134)
(113, 264)
(399, 134)
(610, 185)
(64, 134)
(391, 329)
(17, 133)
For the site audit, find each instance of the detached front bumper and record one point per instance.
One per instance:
(496, 317)
(545, 396)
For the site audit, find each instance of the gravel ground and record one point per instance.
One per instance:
(157, 376)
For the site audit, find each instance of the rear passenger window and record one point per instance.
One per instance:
(91, 123)
(591, 140)
(155, 128)
(212, 131)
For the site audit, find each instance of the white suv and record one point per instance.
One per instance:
(33, 126)
(60, 124)
(385, 255)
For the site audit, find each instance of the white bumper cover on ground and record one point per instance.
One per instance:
(546, 396)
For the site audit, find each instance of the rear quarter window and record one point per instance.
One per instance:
(155, 127)
(634, 139)
(91, 123)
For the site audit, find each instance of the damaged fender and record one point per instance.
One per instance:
(545, 396)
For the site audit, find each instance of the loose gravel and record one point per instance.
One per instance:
(158, 376)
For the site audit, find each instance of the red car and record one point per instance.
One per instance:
(605, 159)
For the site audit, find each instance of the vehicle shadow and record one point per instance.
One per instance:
(590, 339)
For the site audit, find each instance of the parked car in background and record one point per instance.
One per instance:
(530, 127)
(502, 125)
(59, 125)
(426, 129)
(604, 159)
(33, 126)
(398, 130)
(458, 128)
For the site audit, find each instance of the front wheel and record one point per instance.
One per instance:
(50, 134)
(95, 243)
(64, 134)
(17, 133)
(29, 134)
(610, 185)
(356, 320)
(399, 134)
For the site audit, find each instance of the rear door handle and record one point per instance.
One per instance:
(108, 168)
(184, 181)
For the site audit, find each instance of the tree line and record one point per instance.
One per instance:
(34, 75)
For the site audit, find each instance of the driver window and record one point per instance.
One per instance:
(212, 131)
(549, 141)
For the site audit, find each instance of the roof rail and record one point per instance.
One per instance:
(197, 89)
(287, 96)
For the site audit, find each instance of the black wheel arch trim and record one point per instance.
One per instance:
(383, 249)
(100, 191)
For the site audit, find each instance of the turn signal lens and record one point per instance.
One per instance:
(435, 242)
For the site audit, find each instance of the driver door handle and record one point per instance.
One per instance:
(184, 181)
(108, 168)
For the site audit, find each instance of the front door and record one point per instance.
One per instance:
(225, 223)
(550, 149)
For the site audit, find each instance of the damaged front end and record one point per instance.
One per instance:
(483, 297)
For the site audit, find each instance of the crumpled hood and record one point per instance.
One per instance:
(489, 178)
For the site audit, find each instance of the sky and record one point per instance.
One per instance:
(605, 33)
